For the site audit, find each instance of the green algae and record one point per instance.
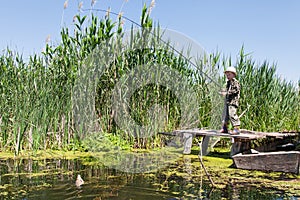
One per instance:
(183, 176)
(221, 168)
(44, 154)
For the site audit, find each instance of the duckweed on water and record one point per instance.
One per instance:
(183, 177)
(222, 170)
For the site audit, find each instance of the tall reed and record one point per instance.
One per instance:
(36, 96)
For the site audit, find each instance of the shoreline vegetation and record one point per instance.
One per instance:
(36, 111)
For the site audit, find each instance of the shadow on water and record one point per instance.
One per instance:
(55, 179)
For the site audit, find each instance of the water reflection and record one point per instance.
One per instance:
(56, 178)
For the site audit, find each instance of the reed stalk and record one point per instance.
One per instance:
(36, 96)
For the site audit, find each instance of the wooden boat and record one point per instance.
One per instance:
(282, 161)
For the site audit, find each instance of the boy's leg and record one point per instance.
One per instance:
(224, 128)
(225, 119)
(234, 118)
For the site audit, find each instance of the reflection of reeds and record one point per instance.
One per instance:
(36, 110)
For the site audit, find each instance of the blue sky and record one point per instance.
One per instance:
(268, 29)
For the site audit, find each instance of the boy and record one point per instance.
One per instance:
(232, 95)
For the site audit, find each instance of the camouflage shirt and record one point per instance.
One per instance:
(233, 92)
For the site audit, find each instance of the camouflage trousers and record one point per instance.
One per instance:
(230, 114)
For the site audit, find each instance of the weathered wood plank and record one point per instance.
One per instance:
(214, 133)
(245, 134)
(282, 161)
(241, 141)
(270, 134)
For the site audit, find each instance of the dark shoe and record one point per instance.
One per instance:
(224, 130)
(235, 132)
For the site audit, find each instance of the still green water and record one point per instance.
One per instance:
(28, 179)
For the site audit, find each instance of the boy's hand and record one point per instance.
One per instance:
(222, 92)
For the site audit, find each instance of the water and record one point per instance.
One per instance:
(55, 179)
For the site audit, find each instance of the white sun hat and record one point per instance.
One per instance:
(231, 69)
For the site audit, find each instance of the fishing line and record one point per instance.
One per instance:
(164, 42)
(174, 49)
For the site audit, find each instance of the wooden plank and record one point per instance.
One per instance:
(283, 161)
(199, 132)
(270, 134)
(241, 141)
(245, 134)
(188, 142)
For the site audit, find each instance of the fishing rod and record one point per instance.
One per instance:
(178, 52)
(170, 46)
(164, 42)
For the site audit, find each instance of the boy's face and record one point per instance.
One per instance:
(229, 75)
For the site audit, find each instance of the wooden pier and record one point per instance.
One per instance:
(244, 157)
(244, 134)
(241, 142)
